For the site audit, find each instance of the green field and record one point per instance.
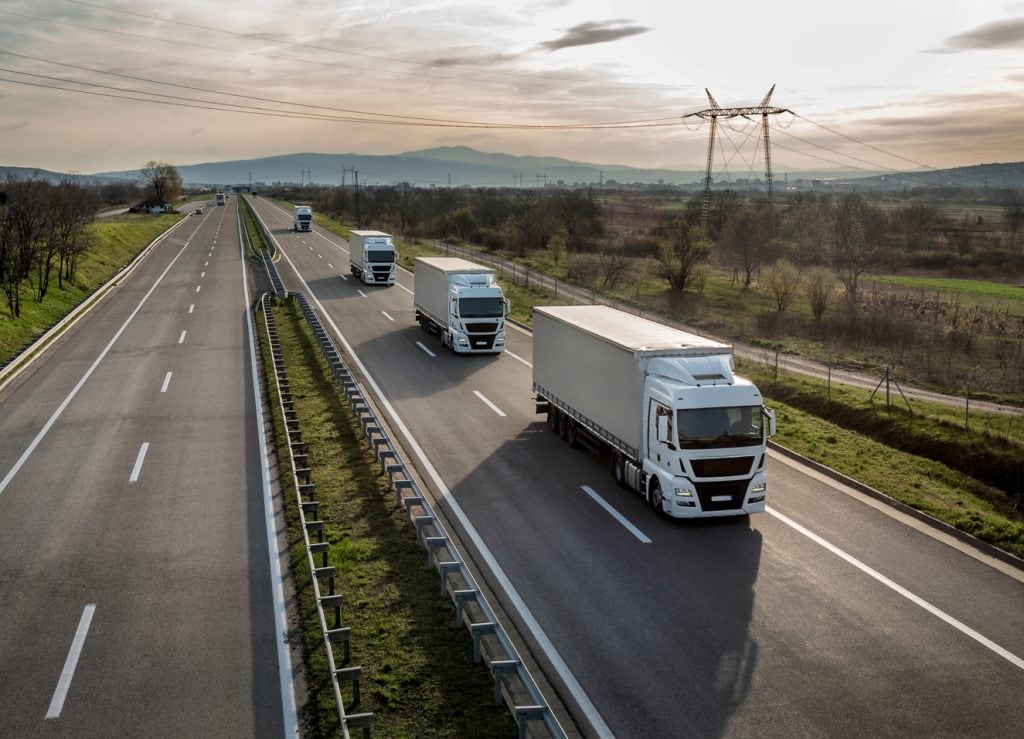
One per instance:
(969, 288)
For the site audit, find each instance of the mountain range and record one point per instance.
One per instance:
(461, 166)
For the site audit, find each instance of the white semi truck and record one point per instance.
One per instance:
(462, 302)
(372, 257)
(303, 218)
(664, 405)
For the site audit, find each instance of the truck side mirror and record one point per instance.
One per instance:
(771, 421)
(508, 306)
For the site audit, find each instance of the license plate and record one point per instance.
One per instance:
(720, 498)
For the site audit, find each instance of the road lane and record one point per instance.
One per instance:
(721, 626)
(147, 505)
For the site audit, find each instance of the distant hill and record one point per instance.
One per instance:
(30, 173)
(462, 166)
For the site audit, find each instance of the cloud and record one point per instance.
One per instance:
(594, 32)
(1004, 34)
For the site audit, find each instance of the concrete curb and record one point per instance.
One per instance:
(25, 360)
(963, 536)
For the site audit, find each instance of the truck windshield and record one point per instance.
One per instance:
(481, 307)
(305, 217)
(717, 427)
(380, 256)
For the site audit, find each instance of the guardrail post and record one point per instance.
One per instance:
(499, 668)
(480, 630)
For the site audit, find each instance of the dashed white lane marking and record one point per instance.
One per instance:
(64, 683)
(137, 469)
(198, 287)
(616, 515)
(181, 339)
(421, 346)
(191, 307)
(319, 256)
(343, 277)
(330, 265)
(202, 274)
(167, 381)
(387, 316)
(489, 404)
(362, 293)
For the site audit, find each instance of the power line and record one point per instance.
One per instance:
(862, 143)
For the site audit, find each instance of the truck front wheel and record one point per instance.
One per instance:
(619, 469)
(656, 499)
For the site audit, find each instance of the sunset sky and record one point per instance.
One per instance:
(873, 85)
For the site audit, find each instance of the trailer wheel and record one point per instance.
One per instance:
(657, 500)
(553, 418)
(619, 469)
(563, 426)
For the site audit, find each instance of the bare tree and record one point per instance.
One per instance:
(22, 224)
(162, 180)
(745, 241)
(615, 267)
(784, 282)
(820, 285)
(682, 248)
(1013, 212)
(857, 241)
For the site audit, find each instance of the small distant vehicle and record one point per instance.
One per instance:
(198, 211)
(221, 198)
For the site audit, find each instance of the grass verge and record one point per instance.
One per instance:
(419, 678)
(114, 244)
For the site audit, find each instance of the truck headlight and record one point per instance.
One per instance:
(683, 493)
(758, 488)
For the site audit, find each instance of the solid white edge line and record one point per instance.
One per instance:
(616, 515)
(422, 346)
(64, 683)
(286, 679)
(516, 601)
(181, 339)
(935, 611)
(137, 469)
(387, 315)
(167, 382)
(489, 404)
(88, 373)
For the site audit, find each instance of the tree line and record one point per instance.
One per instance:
(42, 236)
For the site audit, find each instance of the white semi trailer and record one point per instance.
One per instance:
(678, 426)
(303, 218)
(372, 257)
(462, 302)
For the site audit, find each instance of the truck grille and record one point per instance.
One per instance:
(481, 342)
(382, 270)
(708, 490)
(482, 328)
(722, 466)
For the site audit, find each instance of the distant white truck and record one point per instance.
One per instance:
(372, 257)
(664, 405)
(303, 218)
(462, 302)
(220, 198)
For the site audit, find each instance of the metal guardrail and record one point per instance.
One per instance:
(513, 682)
(265, 253)
(308, 508)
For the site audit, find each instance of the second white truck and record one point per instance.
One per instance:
(303, 218)
(372, 257)
(664, 406)
(462, 302)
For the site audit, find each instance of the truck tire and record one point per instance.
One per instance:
(619, 469)
(563, 426)
(553, 418)
(656, 499)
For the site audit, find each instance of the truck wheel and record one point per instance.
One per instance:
(619, 469)
(553, 418)
(563, 426)
(657, 500)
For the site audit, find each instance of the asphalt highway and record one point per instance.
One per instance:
(829, 615)
(136, 594)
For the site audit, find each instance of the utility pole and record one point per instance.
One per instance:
(355, 173)
(715, 112)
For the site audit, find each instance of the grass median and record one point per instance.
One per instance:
(419, 678)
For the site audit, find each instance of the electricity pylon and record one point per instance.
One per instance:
(713, 114)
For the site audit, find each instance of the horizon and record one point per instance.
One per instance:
(935, 90)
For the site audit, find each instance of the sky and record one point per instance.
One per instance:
(897, 85)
